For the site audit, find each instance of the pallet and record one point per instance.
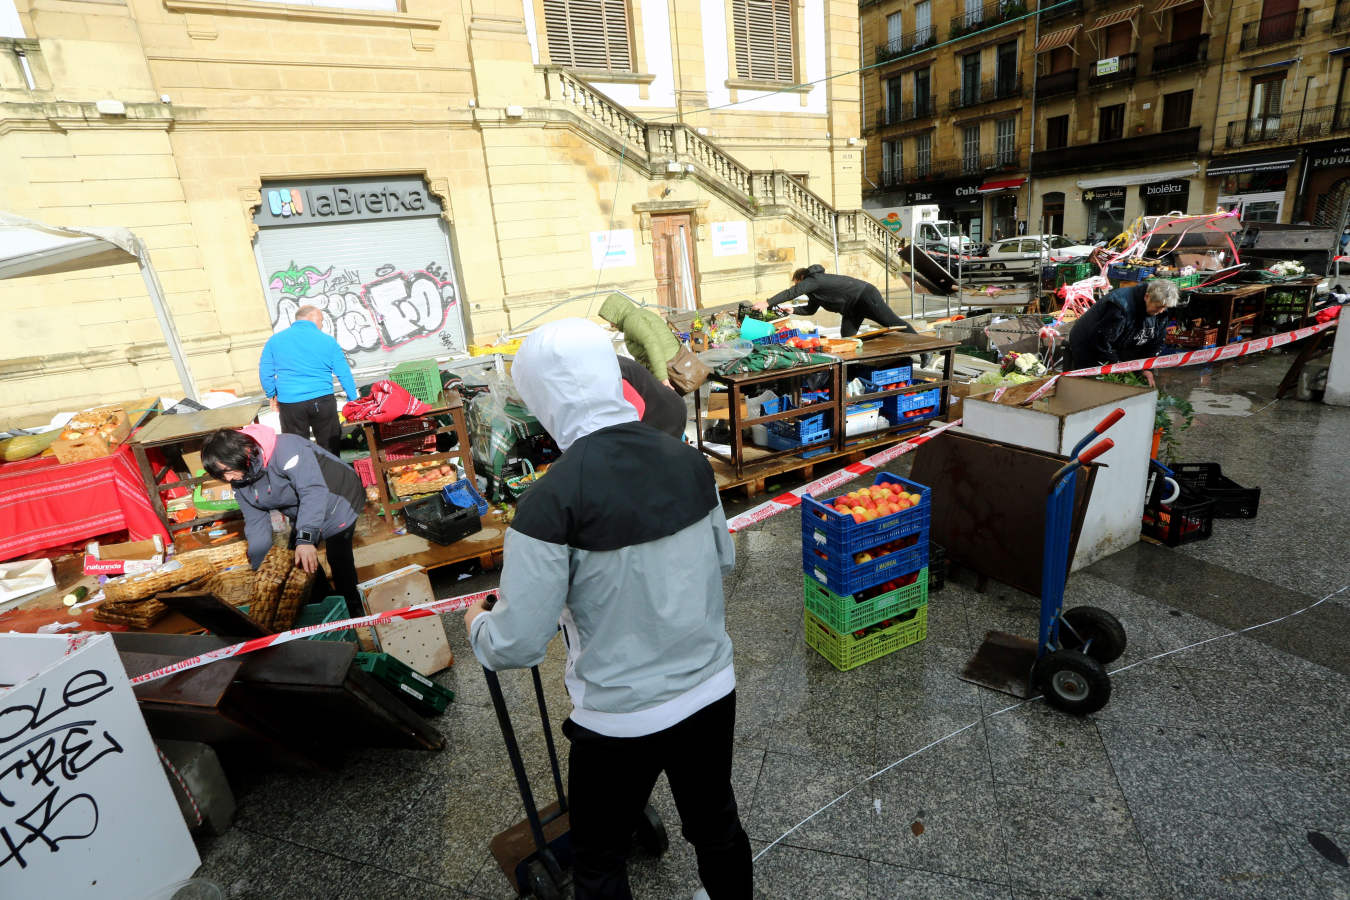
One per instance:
(755, 476)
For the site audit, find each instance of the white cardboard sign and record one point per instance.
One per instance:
(85, 807)
(613, 249)
(730, 238)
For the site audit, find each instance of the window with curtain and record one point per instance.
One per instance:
(890, 161)
(588, 34)
(763, 39)
(970, 79)
(970, 149)
(894, 29)
(1267, 96)
(923, 23)
(923, 154)
(1005, 141)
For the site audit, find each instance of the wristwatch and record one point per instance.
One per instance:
(306, 536)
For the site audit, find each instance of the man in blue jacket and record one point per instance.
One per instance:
(602, 545)
(296, 370)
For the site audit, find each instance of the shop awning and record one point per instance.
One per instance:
(1115, 18)
(1056, 39)
(1006, 184)
(1145, 178)
(1251, 162)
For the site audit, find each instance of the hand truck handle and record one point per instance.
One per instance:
(1096, 450)
(1111, 418)
(489, 602)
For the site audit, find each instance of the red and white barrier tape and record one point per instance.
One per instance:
(793, 498)
(420, 611)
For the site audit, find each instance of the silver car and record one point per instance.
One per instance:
(1029, 252)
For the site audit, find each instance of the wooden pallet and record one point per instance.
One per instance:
(756, 476)
(378, 550)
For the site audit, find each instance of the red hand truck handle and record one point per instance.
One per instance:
(1112, 418)
(1096, 449)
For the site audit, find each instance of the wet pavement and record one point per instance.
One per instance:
(1220, 768)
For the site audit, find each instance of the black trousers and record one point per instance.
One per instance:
(871, 306)
(608, 785)
(341, 577)
(319, 414)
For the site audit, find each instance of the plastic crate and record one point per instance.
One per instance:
(405, 427)
(846, 613)
(884, 376)
(778, 441)
(462, 494)
(1186, 282)
(848, 651)
(1194, 338)
(804, 430)
(917, 405)
(778, 337)
(321, 612)
(419, 377)
(413, 688)
(871, 387)
(809, 397)
(1072, 273)
(824, 526)
(441, 522)
(1189, 519)
(1206, 480)
(836, 569)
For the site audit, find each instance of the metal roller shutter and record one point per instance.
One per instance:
(388, 287)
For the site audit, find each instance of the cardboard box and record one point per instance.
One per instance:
(718, 407)
(130, 558)
(92, 434)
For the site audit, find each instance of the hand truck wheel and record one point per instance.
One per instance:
(1072, 682)
(1095, 628)
(650, 834)
(541, 883)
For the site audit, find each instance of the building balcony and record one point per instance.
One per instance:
(987, 92)
(1009, 160)
(1057, 83)
(1060, 9)
(1340, 20)
(907, 111)
(1275, 30)
(1180, 54)
(987, 16)
(1290, 127)
(1113, 70)
(986, 163)
(906, 44)
(1118, 153)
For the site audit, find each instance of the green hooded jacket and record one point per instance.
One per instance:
(645, 334)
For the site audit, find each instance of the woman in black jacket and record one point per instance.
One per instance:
(852, 298)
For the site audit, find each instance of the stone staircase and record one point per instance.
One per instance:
(656, 147)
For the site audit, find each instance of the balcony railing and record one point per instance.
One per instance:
(1290, 127)
(1340, 21)
(986, 16)
(1105, 72)
(984, 163)
(906, 44)
(952, 167)
(1274, 29)
(908, 111)
(1120, 152)
(1057, 83)
(1179, 54)
(1059, 10)
(986, 92)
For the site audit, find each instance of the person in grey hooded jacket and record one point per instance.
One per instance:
(624, 543)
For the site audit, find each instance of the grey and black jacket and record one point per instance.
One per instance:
(623, 543)
(320, 494)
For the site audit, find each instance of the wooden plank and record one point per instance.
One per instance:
(378, 550)
(761, 472)
(166, 428)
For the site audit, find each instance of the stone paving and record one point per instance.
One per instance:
(1221, 770)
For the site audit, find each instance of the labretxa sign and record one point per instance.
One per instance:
(345, 201)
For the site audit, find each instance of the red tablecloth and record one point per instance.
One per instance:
(45, 504)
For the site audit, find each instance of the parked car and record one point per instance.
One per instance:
(1024, 255)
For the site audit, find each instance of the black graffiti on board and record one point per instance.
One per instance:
(45, 747)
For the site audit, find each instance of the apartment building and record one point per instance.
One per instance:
(429, 173)
(1105, 110)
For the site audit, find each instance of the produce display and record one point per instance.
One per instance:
(893, 585)
(1017, 368)
(869, 503)
(422, 477)
(26, 445)
(104, 423)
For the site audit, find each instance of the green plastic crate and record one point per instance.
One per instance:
(845, 615)
(213, 505)
(419, 377)
(415, 689)
(1186, 282)
(848, 652)
(320, 612)
(1070, 273)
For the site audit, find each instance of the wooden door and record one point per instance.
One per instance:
(674, 261)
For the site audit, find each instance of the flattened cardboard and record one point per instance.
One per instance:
(421, 643)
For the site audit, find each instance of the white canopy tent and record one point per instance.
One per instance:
(28, 247)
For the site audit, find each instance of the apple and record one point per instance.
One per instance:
(859, 517)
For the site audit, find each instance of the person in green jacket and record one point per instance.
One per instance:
(645, 334)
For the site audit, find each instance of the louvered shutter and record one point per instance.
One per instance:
(763, 33)
(588, 34)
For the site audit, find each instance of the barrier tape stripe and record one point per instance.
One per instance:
(793, 498)
(420, 611)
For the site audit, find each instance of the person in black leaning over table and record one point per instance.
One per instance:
(852, 298)
(1127, 323)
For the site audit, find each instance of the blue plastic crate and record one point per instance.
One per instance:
(815, 397)
(805, 430)
(854, 409)
(777, 441)
(896, 407)
(1118, 272)
(883, 376)
(824, 526)
(871, 387)
(778, 337)
(836, 569)
(462, 494)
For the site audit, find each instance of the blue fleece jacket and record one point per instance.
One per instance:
(299, 364)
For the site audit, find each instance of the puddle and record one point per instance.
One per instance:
(1209, 403)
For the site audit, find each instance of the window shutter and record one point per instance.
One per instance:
(763, 39)
(588, 34)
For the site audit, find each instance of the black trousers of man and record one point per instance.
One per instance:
(319, 415)
(611, 778)
(341, 575)
(870, 306)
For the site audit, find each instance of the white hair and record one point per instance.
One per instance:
(1164, 291)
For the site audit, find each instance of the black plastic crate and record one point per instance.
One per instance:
(441, 522)
(1231, 500)
(937, 567)
(1189, 519)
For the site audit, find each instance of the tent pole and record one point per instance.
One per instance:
(166, 325)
